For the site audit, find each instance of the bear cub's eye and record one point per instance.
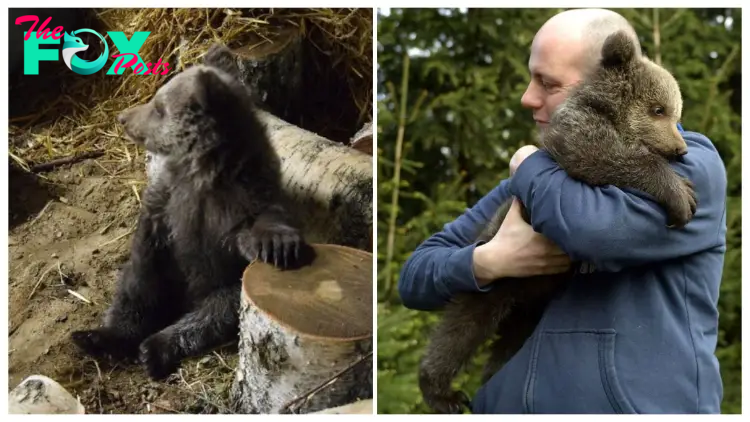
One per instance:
(159, 108)
(658, 110)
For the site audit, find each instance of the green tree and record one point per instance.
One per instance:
(462, 120)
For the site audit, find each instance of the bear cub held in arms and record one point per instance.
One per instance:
(214, 205)
(618, 127)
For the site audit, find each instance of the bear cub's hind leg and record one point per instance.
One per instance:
(214, 323)
(145, 299)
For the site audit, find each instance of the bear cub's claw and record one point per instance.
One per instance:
(277, 244)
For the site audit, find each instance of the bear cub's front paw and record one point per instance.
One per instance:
(683, 207)
(276, 243)
(104, 343)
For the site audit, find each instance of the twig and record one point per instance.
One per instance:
(67, 160)
(396, 180)
(116, 239)
(657, 37)
(59, 271)
(323, 385)
(41, 213)
(40, 281)
(98, 371)
(135, 191)
(79, 296)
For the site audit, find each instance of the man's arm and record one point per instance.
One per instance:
(616, 228)
(442, 265)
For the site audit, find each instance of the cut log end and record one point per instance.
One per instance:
(330, 299)
(306, 335)
(362, 140)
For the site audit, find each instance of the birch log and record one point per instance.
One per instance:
(38, 394)
(330, 184)
(306, 335)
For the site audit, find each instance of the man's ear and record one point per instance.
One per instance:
(618, 50)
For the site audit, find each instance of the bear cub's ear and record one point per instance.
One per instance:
(220, 57)
(618, 50)
(212, 92)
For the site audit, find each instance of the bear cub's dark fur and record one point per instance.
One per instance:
(214, 205)
(618, 127)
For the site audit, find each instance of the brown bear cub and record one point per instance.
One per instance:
(214, 204)
(618, 127)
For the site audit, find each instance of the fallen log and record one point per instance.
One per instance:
(306, 335)
(38, 394)
(329, 184)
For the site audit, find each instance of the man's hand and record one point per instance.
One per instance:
(521, 155)
(517, 251)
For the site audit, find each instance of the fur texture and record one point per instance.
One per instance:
(214, 206)
(619, 128)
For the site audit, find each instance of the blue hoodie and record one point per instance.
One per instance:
(636, 330)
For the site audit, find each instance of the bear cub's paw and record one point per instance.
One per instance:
(104, 343)
(683, 206)
(277, 244)
(452, 403)
(159, 356)
(438, 394)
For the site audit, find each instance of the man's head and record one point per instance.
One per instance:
(564, 50)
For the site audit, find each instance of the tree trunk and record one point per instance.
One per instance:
(272, 68)
(306, 335)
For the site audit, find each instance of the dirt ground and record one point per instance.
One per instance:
(69, 234)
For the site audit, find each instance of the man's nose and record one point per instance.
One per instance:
(530, 99)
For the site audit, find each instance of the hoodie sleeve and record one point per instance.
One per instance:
(614, 228)
(443, 264)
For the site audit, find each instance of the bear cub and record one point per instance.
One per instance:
(617, 127)
(214, 205)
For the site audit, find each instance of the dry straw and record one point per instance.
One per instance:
(82, 119)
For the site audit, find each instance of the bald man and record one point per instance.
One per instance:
(636, 330)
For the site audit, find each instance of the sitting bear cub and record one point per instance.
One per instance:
(214, 205)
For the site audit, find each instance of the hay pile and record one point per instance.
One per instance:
(82, 119)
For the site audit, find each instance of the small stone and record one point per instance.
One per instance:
(58, 234)
(61, 318)
(54, 255)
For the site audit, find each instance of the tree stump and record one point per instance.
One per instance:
(38, 394)
(306, 335)
(272, 67)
